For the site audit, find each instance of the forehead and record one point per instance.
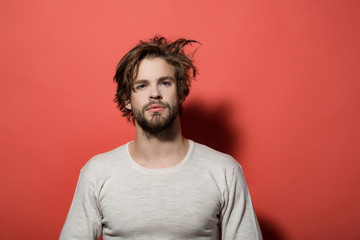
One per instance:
(154, 68)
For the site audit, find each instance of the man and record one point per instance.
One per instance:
(161, 185)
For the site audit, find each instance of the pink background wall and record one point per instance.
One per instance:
(278, 89)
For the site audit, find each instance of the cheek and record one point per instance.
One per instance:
(136, 97)
(173, 92)
(171, 96)
(138, 100)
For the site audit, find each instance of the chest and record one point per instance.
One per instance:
(180, 206)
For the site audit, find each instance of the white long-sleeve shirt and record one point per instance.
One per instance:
(202, 197)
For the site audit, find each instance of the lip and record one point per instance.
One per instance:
(156, 108)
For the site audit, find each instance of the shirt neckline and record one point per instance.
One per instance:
(176, 167)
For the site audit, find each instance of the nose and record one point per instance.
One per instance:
(155, 94)
(155, 97)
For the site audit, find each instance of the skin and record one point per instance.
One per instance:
(155, 83)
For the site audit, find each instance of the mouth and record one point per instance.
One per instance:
(156, 108)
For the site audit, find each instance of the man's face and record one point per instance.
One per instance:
(154, 102)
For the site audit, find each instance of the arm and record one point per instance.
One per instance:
(237, 218)
(84, 219)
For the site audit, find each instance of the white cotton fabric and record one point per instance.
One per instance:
(204, 197)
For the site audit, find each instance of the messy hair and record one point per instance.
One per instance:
(171, 52)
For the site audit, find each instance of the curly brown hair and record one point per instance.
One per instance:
(171, 52)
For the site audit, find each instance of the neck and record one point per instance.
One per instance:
(161, 151)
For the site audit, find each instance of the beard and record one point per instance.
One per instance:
(157, 125)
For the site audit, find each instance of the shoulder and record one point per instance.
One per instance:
(223, 168)
(212, 158)
(105, 162)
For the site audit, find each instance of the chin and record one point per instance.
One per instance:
(157, 119)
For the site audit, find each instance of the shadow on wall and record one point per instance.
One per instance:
(269, 229)
(210, 125)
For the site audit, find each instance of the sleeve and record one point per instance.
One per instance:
(237, 217)
(83, 221)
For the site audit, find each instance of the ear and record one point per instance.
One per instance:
(128, 105)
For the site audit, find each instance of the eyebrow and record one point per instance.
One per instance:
(140, 82)
(166, 78)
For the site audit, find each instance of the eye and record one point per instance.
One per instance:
(166, 83)
(140, 86)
